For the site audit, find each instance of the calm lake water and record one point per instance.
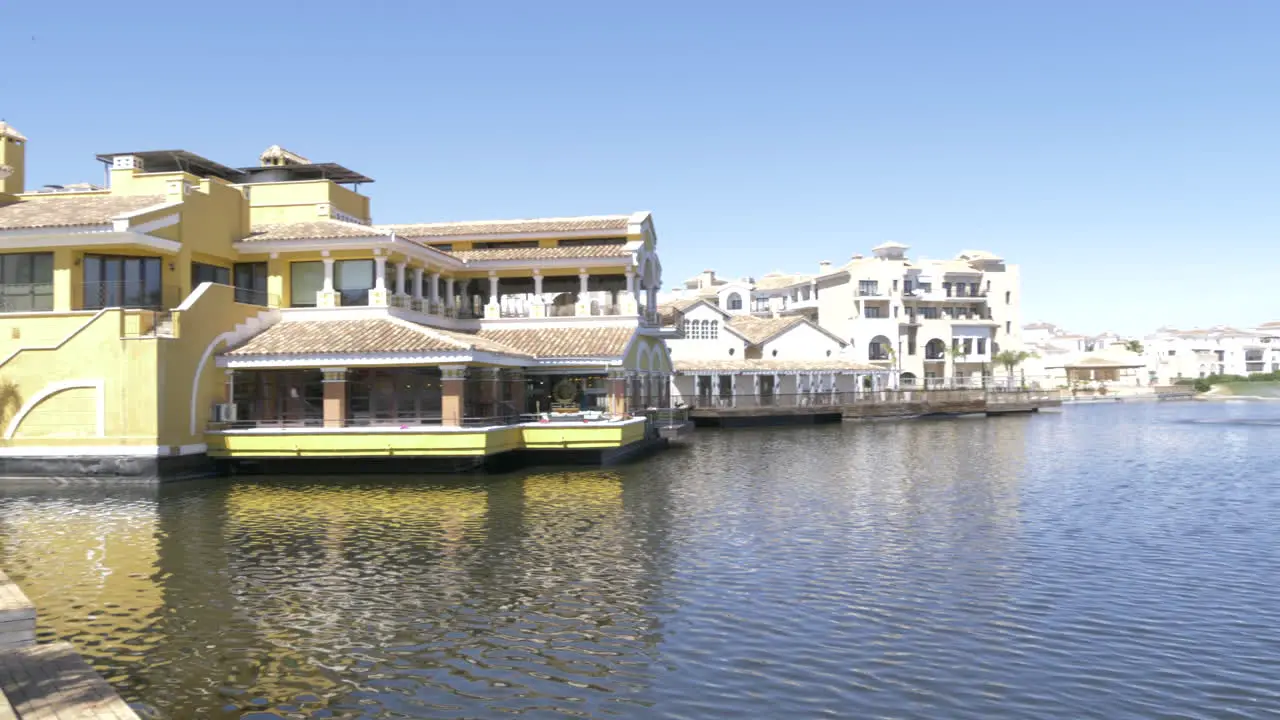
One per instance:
(1117, 561)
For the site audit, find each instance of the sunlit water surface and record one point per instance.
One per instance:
(1118, 561)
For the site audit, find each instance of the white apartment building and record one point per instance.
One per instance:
(775, 294)
(929, 321)
(727, 358)
(1221, 350)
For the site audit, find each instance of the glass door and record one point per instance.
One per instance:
(121, 281)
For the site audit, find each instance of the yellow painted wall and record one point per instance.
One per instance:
(396, 443)
(125, 367)
(70, 413)
(213, 313)
(290, 202)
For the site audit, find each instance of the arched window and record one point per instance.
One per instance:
(715, 329)
(734, 301)
(687, 326)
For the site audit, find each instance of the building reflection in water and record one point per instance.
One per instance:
(358, 597)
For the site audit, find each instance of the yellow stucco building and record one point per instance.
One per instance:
(191, 311)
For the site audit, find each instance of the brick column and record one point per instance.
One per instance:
(516, 379)
(453, 383)
(335, 397)
(618, 392)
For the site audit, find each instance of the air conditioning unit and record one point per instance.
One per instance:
(224, 412)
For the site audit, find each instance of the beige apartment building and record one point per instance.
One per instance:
(931, 321)
(926, 321)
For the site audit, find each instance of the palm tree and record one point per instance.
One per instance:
(955, 352)
(1011, 359)
(1134, 347)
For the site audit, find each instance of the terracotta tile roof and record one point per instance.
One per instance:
(564, 342)
(668, 311)
(71, 210)
(757, 330)
(777, 281)
(341, 337)
(511, 227)
(741, 365)
(576, 251)
(324, 229)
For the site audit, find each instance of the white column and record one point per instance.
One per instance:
(378, 295)
(433, 289)
(417, 283)
(400, 267)
(539, 308)
(584, 303)
(327, 297)
(492, 309)
(448, 292)
(629, 303)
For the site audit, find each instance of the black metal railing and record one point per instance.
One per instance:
(26, 297)
(833, 399)
(253, 296)
(129, 294)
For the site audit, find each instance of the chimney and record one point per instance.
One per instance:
(13, 164)
(707, 278)
(824, 267)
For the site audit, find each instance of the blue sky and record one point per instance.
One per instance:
(1126, 154)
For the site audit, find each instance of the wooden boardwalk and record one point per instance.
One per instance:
(52, 682)
(46, 682)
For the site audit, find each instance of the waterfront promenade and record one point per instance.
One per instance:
(900, 404)
(50, 681)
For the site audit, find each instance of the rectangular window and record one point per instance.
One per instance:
(895, 311)
(895, 286)
(1008, 327)
(955, 343)
(1172, 353)
(929, 313)
(306, 280)
(868, 288)
(26, 282)
(982, 346)
(202, 273)
(973, 290)
(926, 287)
(968, 346)
(1008, 296)
(871, 311)
(122, 281)
(251, 283)
(587, 242)
(353, 279)
(946, 286)
(505, 245)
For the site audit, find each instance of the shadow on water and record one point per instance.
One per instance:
(1097, 563)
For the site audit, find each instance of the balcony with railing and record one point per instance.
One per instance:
(133, 294)
(26, 297)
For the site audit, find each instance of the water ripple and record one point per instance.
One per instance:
(1106, 562)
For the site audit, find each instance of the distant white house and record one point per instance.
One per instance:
(1221, 350)
(725, 355)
